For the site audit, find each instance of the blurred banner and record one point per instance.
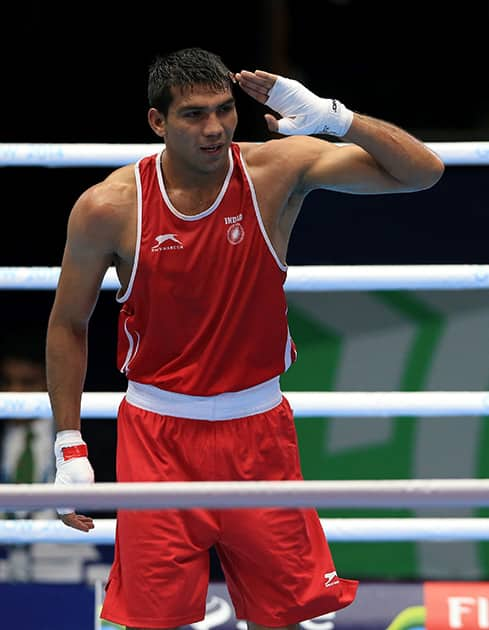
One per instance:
(403, 341)
(378, 606)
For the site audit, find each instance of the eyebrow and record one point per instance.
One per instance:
(185, 108)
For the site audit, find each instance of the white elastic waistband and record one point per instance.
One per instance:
(227, 406)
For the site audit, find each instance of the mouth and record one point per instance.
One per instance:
(212, 149)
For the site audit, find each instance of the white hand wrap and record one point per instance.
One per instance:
(304, 113)
(72, 465)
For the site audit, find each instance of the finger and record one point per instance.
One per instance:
(272, 122)
(78, 521)
(259, 76)
(270, 78)
(259, 81)
(259, 95)
(256, 94)
(82, 526)
(253, 88)
(70, 520)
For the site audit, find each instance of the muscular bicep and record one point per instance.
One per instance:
(79, 285)
(350, 169)
(87, 255)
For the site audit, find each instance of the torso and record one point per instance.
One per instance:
(197, 305)
(274, 181)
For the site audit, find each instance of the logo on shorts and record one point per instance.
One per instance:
(171, 239)
(331, 579)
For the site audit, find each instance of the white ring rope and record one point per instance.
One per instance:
(303, 278)
(20, 532)
(105, 155)
(398, 493)
(304, 404)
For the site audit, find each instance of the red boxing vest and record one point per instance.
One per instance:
(205, 310)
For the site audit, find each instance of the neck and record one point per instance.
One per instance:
(180, 173)
(191, 191)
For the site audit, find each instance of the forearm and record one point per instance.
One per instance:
(400, 154)
(401, 163)
(66, 362)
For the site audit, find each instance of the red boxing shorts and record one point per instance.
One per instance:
(276, 561)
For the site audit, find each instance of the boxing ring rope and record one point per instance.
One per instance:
(231, 494)
(305, 404)
(303, 278)
(427, 493)
(111, 155)
(21, 532)
(378, 493)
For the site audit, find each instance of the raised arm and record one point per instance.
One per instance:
(382, 158)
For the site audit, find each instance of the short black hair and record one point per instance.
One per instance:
(185, 68)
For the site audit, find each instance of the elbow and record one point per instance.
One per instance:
(431, 173)
(64, 326)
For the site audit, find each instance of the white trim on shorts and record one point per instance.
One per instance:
(227, 406)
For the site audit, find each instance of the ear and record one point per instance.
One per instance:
(157, 121)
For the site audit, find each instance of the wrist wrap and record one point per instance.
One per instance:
(304, 113)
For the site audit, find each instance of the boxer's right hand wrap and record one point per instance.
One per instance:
(72, 465)
(304, 113)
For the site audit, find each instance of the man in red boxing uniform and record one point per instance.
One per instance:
(198, 234)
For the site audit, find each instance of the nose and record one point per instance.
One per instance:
(213, 126)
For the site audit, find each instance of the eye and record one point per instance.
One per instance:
(193, 113)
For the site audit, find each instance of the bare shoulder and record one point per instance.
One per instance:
(113, 193)
(290, 156)
(108, 203)
(296, 147)
(103, 217)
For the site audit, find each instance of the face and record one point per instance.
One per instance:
(199, 127)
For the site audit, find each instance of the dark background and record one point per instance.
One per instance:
(81, 77)
(77, 73)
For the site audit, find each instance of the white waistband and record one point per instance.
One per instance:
(227, 406)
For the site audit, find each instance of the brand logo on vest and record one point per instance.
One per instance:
(235, 233)
(171, 239)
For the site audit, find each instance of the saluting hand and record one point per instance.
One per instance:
(302, 111)
(258, 85)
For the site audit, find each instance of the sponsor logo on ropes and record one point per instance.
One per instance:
(165, 242)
